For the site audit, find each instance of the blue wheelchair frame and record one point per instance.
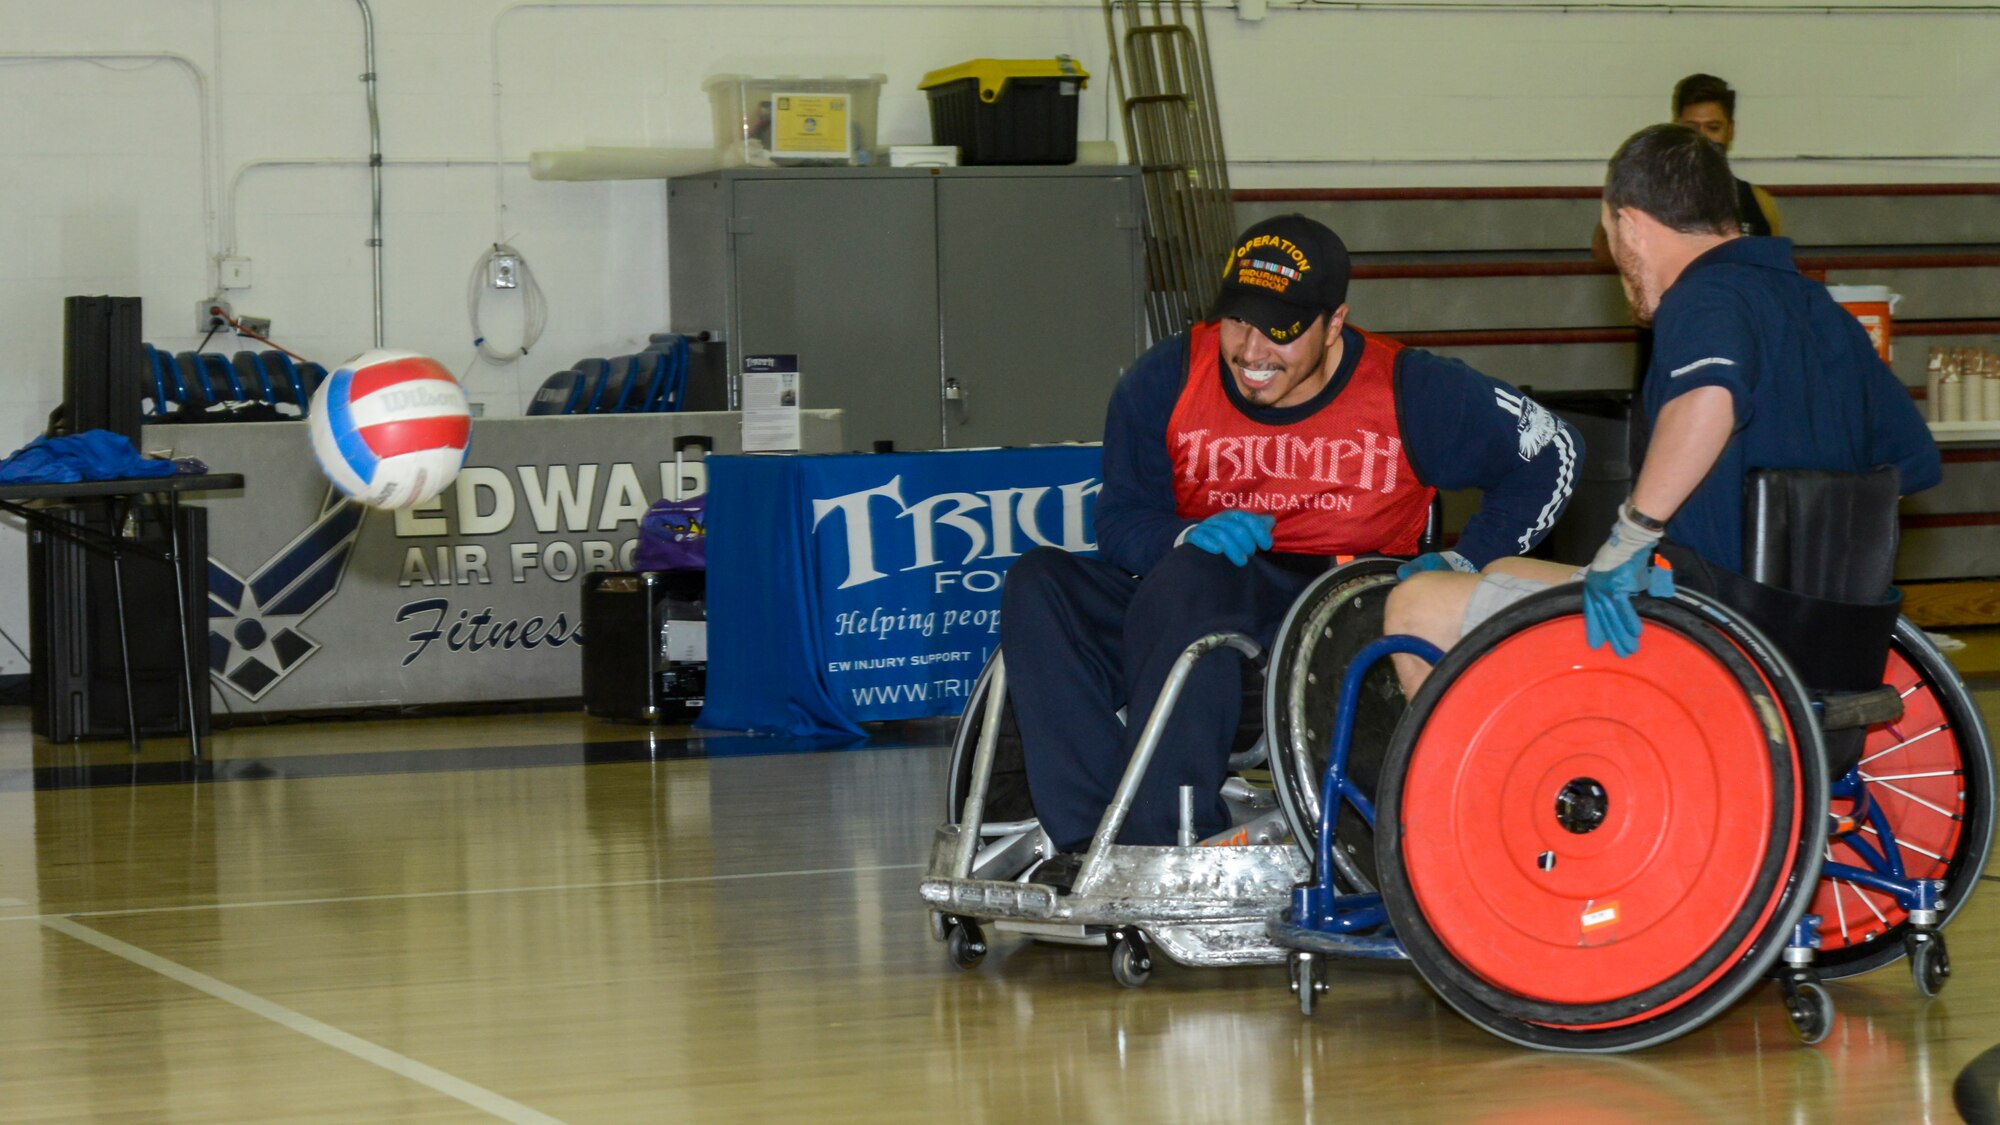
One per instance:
(1322, 918)
(1884, 872)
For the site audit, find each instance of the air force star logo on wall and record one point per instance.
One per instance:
(254, 637)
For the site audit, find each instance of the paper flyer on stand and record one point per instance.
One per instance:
(770, 403)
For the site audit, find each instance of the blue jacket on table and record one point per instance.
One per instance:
(1809, 389)
(1460, 429)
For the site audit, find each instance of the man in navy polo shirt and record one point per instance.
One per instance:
(1754, 367)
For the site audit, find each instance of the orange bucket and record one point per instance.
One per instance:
(1874, 306)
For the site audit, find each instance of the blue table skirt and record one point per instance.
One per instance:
(850, 588)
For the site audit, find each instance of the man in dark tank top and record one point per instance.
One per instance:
(1707, 104)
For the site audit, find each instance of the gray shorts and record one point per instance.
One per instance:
(1496, 592)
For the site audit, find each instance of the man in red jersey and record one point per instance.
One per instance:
(1241, 457)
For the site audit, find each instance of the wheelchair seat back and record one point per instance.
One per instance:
(1819, 554)
(1823, 535)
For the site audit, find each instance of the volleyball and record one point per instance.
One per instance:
(389, 429)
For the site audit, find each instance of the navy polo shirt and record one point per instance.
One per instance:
(1809, 389)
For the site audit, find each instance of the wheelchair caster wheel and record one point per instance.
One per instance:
(1930, 965)
(1308, 981)
(964, 944)
(1131, 961)
(1810, 1011)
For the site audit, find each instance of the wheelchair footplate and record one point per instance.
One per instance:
(1205, 906)
(1359, 943)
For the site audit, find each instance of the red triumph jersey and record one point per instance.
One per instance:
(1339, 481)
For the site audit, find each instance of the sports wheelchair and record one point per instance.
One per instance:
(1583, 853)
(1203, 903)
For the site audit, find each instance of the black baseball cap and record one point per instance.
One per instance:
(1282, 273)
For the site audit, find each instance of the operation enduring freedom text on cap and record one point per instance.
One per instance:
(1282, 274)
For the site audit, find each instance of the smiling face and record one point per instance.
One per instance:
(1710, 120)
(1273, 374)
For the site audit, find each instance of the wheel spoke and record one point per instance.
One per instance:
(1861, 894)
(1900, 791)
(1839, 909)
(1905, 845)
(1905, 742)
(1909, 776)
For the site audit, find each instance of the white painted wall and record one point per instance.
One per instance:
(105, 187)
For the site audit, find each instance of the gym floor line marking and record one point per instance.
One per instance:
(478, 1097)
(464, 892)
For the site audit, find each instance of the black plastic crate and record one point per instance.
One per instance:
(627, 673)
(1030, 121)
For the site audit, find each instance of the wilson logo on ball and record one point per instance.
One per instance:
(390, 428)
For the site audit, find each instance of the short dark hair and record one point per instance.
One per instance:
(1698, 88)
(1677, 176)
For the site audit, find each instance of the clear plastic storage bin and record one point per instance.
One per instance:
(786, 120)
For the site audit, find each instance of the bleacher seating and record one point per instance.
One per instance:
(651, 382)
(211, 387)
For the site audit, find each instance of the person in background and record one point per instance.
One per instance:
(1707, 105)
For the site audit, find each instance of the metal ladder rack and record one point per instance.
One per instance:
(1174, 134)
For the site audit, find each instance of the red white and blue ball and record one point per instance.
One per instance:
(390, 428)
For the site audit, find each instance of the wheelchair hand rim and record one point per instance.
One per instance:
(1297, 761)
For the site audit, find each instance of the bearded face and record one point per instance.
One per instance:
(1278, 375)
(1625, 253)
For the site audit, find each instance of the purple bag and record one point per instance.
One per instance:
(673, 535)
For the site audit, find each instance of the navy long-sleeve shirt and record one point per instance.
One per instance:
(1808, 388)
(1460, 429)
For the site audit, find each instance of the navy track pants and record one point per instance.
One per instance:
(1083, 638)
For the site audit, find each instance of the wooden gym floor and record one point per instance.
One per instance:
(543, 918)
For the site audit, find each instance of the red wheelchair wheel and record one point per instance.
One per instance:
(1586, 853)
(1931, 774)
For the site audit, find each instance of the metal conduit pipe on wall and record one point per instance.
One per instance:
(374, 159)
(231, 195)
(204, 108)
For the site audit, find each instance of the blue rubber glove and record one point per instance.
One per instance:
(1447, 561)
(1622, 568)
(1236, 535)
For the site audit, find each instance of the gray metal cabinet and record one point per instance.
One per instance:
(938, 308)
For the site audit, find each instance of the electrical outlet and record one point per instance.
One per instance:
(213, 313)
(504, 272)
(235, 273)
(255, 325)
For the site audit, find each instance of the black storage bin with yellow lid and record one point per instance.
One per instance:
(1007, 111)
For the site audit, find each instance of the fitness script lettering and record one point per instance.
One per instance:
(478, 632)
